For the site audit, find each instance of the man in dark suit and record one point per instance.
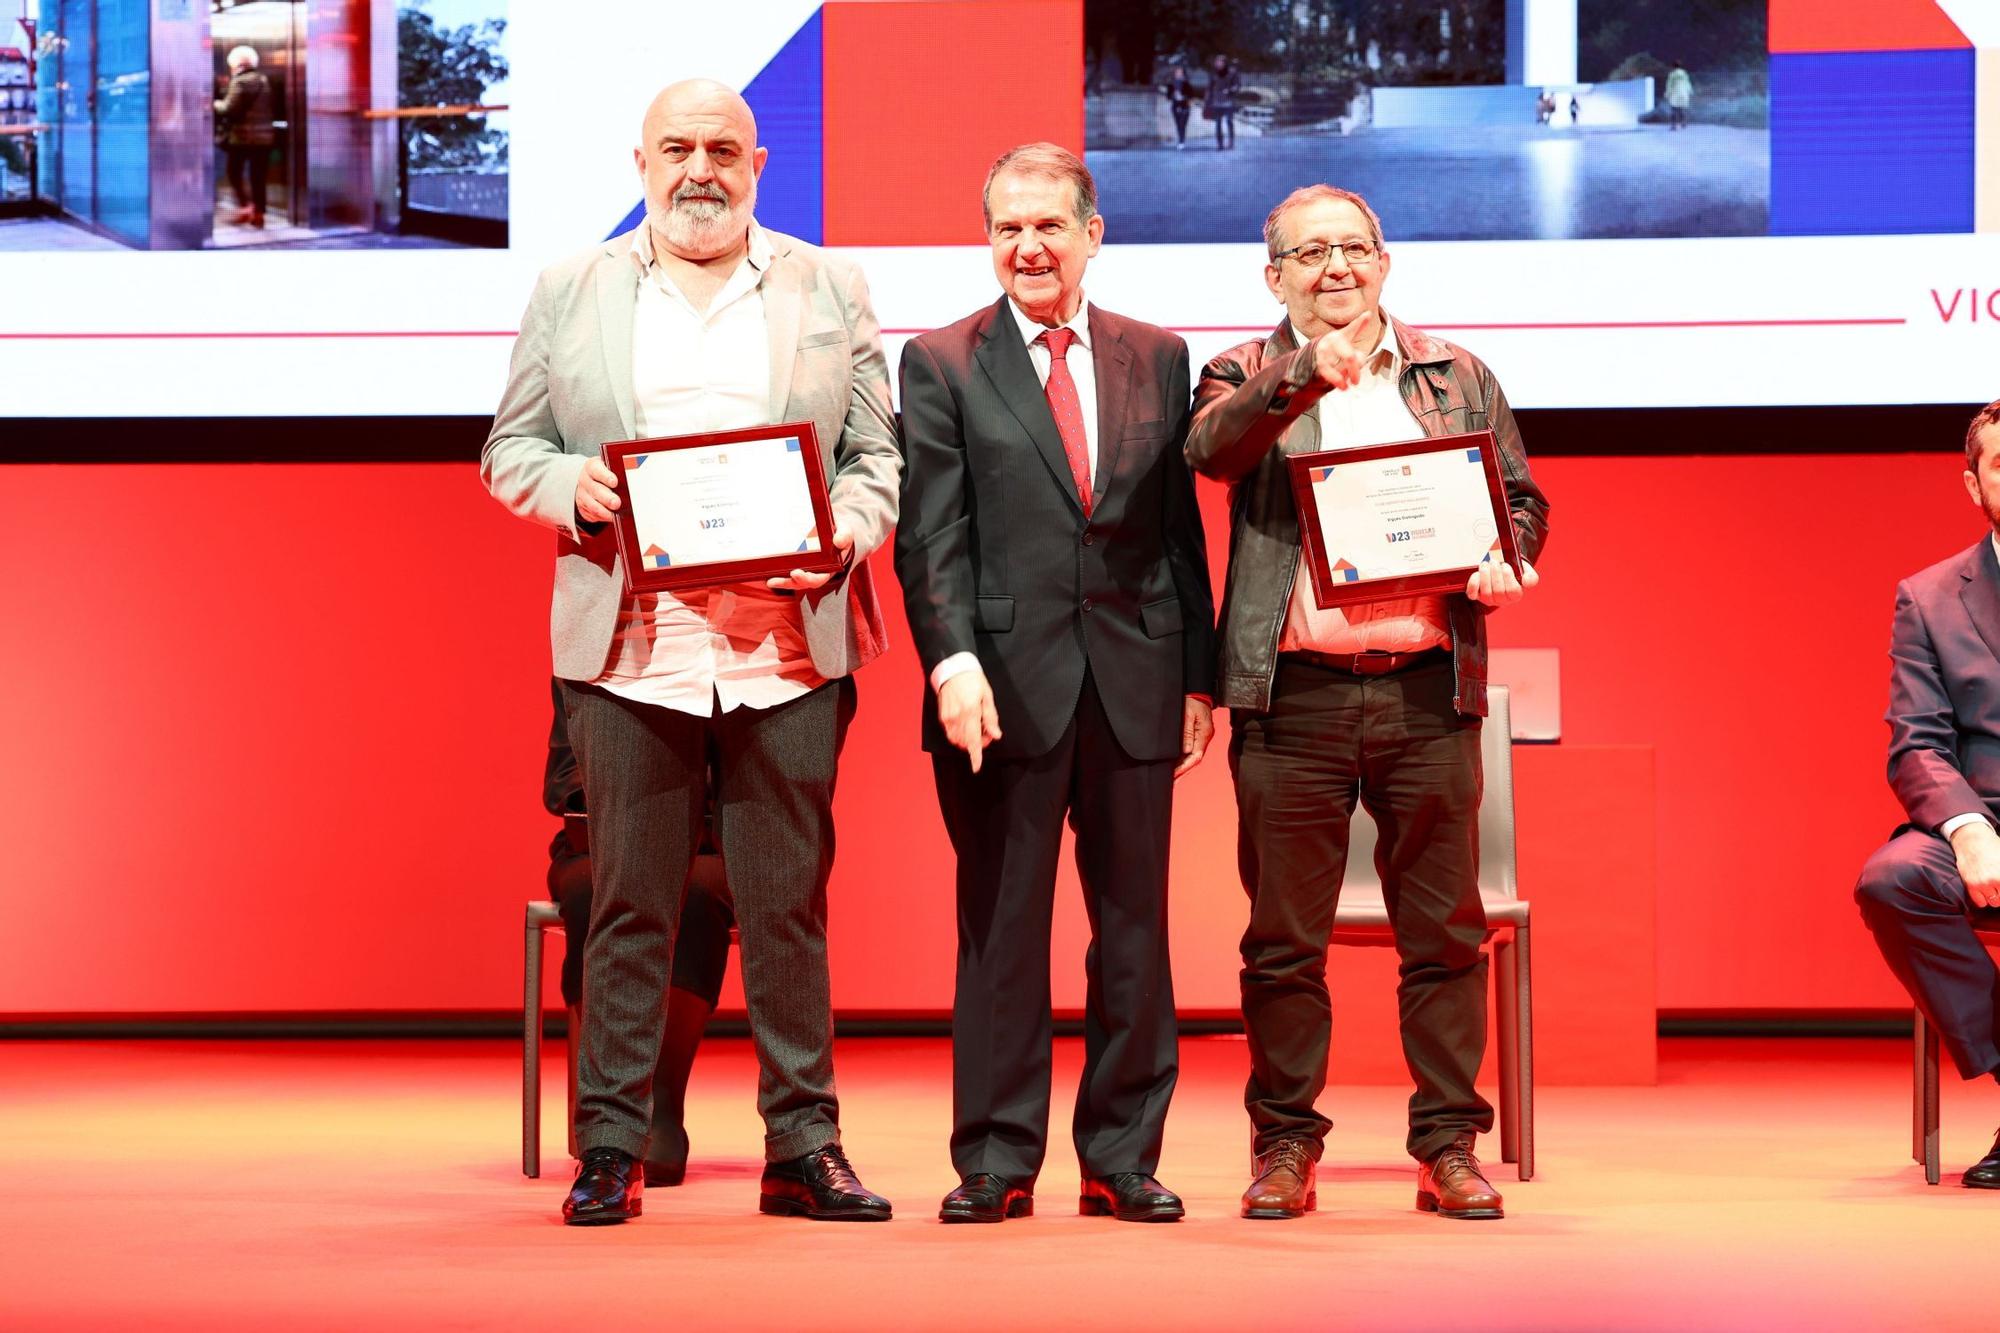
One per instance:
(1919, 892)
(1057, 586)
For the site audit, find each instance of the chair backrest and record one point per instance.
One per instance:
(1496, 812)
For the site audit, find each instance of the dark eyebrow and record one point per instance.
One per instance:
(686, 141)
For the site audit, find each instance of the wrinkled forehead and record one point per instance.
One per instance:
(1031, 196)
(1328, 220)
(703, 119)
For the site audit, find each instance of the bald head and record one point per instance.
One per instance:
(698, 100)
(699, 161)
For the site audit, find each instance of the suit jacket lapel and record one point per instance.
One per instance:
(1112, 369)
(617, 290)
(1004, 358)
(784, 310)
(1980, 592)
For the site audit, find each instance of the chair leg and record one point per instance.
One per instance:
(531, 1051)
(575, 1025)
(1510, 1090)
(1933, 1167)
(1524, 1048)
(1917, 1088)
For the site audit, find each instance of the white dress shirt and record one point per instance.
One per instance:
(1083, 373)
(1371, 412)
(692, 371)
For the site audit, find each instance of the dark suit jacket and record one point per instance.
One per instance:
(1944, 689)
(995, 556)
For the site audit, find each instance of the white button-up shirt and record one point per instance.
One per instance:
(1371, 412)
(695, 371)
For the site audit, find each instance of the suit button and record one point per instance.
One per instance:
(1086, 604)
(1088, 539)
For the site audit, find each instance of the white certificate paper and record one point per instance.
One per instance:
(1413, 514)
(708, 504)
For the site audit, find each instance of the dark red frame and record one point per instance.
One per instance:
(638, 578)
(1330, 594)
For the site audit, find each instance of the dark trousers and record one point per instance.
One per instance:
(701, 944)
(1180, 124)
(249, 170)
(701, 959)
(1912, 898)
(1225, 129)
(644, 773)
(1006, 825)
(1397, 745)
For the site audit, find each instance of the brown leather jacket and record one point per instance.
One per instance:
(1258, 394)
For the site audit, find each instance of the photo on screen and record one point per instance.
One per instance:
(1592, 119)
(272, 124)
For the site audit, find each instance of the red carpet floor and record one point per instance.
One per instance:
(360, 1185)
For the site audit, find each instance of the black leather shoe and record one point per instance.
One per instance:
(1129, 1196)
(1984, 1174)
(607, 1189)
(822, 1186)
(986, 1198)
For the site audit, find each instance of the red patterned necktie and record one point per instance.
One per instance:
(1068, 411)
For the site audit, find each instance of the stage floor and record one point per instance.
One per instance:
(346, 1185)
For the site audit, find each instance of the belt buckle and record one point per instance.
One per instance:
(1373, 662)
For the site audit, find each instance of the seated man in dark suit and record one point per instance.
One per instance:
(1919, 893)
(701, 955)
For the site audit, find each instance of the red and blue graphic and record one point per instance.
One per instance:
(1873, 119)
(882, 118)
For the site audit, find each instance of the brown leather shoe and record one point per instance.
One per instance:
(1284, 1185)
(1450, 1184)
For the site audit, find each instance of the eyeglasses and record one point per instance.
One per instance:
(1314, 254)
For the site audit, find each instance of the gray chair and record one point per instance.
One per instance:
(1363, 918)
(543, 917)
(1924, 1090)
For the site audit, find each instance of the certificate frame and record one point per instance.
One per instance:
(1330, 592)
(642, 577)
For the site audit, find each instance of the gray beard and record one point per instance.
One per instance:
(699, 230)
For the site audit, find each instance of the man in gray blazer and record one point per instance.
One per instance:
(700, 320)
(1921, 890)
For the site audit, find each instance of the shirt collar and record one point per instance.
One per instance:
(1388, 358)
(760, 254)
(1078, 324)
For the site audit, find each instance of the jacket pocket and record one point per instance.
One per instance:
(1161, 618)
(821, 337)
(995, 615)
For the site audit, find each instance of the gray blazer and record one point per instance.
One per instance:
(1944, 689)
(569, 390)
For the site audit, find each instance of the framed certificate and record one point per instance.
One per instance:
(1393, 520)
(725, 507)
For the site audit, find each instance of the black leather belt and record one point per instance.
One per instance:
(1370, 663)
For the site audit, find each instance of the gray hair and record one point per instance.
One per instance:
(1274, 223)
(245, 56)
(1043, 159)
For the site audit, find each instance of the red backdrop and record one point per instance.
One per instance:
(275, 736)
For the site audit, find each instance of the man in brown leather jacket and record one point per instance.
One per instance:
(1380, 702)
